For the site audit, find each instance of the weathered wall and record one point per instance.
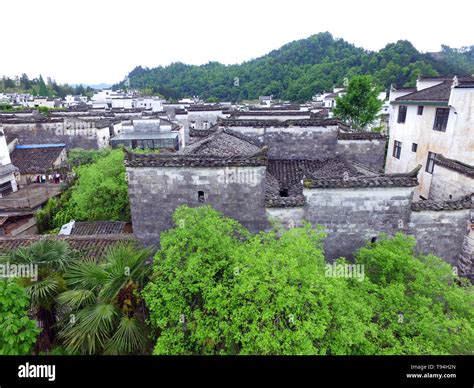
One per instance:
(446, 182)
(72, 133)
(295, 142)
(440, 232)
(288, 217)
(156, 192)
(370, 153)
(356, 215)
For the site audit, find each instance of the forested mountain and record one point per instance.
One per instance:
(300, 69)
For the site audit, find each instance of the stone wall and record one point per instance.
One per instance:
(295, 142)
(353, 216)
(370, 153)
(237, 192)
(441, 233)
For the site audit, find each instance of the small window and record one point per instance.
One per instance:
(397, 149)
(414, 147)
(284, 193)
(402, 114)
(420, 110)
(430, 162)
(200, 196)
(441, 119)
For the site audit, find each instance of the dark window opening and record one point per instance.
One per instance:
(430, 162)
(450, 196)
(397, 149)
(402, 114)
(200, 196)
(414, 147)
(284, 193)
(420, 110)
(441, 119)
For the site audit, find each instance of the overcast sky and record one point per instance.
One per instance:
(95, 41)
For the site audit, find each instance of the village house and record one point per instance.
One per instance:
(433, 126)
(259, 172)
(38, 161)
(8, 182)
(152, 133)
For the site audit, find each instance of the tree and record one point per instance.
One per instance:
(419, 304)
(51, 258)
(100, 192)
(219, 290)
(103, 311)
(42, 89)
(17, 331)
(360, 105)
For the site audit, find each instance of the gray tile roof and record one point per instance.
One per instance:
(35, 160)
(457, 204)
(437, 93)
(455, 165)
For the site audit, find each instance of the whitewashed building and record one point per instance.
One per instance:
(433, 126)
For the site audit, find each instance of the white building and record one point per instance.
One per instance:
(433, 126)
(7, 169)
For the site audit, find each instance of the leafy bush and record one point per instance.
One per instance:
(17, 332)
(217, 289)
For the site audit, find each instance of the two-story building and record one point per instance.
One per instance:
(433, 123)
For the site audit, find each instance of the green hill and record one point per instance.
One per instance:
(299, 69)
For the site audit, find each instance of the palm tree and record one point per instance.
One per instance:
(103, 310)
(50, 258)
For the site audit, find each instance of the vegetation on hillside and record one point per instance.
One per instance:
(300, 69)
(39, 87)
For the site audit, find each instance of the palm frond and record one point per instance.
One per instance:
(86, 275)
(76, 299)
(44, 291)
(130, 336)
(91, 329)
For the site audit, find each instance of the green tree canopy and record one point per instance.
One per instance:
(100, 191)
(217, 289)
(17, 331)
(360, 105)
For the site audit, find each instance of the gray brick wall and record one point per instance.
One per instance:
(370, 153)
(441, 233)
(156, 192)
(446, 182)
(354, 216)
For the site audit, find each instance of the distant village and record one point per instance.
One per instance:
(258, 162)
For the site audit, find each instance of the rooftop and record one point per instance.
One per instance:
(92, 246)
(221, 148)
(93, 228)
(36, 160)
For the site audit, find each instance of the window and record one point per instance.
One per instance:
(200, 196)
(402, 114)
(420, 110)
(430, 162)
(397, 149)
(414, 147)
(284, 193)
(441, 119)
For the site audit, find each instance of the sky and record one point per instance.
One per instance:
(101, 41)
